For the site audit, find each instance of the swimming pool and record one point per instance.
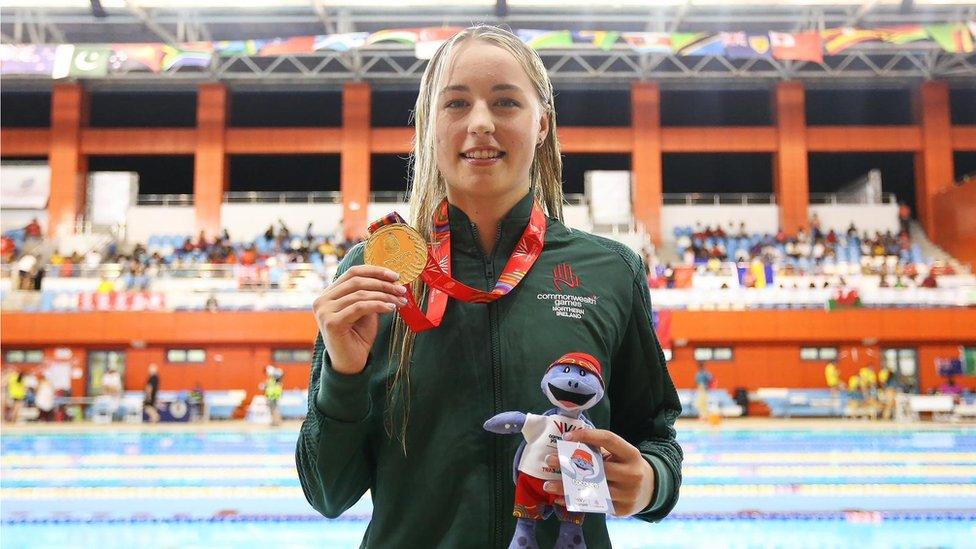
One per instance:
(237, 487)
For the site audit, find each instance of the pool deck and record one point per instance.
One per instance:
(727, 424)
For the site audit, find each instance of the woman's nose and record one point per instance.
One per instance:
(480, 119)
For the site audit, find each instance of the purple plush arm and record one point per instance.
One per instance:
(506, 423)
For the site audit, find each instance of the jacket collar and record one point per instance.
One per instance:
(511, 227)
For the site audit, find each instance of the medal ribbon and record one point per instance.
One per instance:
(437, 272)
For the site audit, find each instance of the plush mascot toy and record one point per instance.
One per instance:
(573, 383)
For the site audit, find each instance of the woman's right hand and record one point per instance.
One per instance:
(347, 313)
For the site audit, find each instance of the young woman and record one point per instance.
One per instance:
(400, 414)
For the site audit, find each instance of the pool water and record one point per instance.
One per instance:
(741, 488)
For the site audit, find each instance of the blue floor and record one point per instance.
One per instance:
(742, 488)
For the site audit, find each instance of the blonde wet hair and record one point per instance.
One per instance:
(428, 188)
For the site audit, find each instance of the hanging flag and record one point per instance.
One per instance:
(601, 39)
(81, 61)
(430, 39)
(340, 42)
(839, 39)
(136, 57)
(648, 42)
(740, 45)
(697, 43)
(195, 54)
(954, 38)
(803, 46)
(968, 357)
(36, 60)
(286, 46)
(903, 34)
(230, 48)
(545, 39)
(407, 37)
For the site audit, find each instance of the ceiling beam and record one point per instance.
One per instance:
(150, 23)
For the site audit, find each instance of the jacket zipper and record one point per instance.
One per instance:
(496, 382)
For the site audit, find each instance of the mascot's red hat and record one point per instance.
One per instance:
(583, 455)
(583, 360)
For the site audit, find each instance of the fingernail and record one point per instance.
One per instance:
(402, 301)
(394, 275)
(547, 486)
(551, 460)
(401, 289)
(569, 437)
(390, 306)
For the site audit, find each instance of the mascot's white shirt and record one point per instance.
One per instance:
(541, 434)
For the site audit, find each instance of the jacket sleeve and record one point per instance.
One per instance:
(334, 461)
(644, 403)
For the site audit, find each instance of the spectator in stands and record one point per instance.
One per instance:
(949, 387)
(8, 249)
(16, 395)
(198, 404)
(270, 233)
(888, 392)
(273, 388)
(855, 397)
(212, 304)
(44, 400)
(869, 389)
(703, 382)
(832, 377)
(904, 217)
(815, 231)
(929, 281)
(32, 231)
(25, 271)
(112, 388)
(151, 394)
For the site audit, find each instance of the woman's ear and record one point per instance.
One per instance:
(543, 128)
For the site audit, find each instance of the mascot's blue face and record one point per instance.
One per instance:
(571, 387)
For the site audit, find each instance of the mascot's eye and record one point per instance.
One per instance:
(582, 373)
(566, 370)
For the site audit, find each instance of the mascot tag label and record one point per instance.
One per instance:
(584, 478)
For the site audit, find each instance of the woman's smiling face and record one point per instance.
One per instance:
(489, 122)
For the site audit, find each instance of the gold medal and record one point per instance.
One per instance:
(400, 248)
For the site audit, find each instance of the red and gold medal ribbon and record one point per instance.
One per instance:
(437, 273)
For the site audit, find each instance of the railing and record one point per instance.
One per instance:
(840, 198)
(693, 199)
(287, 197)
(298, 197)
(164, 200)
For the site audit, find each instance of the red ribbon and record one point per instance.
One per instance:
(437, 272)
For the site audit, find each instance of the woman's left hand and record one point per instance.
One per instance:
(630, 477)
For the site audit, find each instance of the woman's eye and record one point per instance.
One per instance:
(455, 103)
(566, 370)
(508, 103)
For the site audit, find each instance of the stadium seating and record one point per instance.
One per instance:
(718, 400)
(223, 404)
(784, 402)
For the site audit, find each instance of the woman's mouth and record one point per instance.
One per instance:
(482, 157)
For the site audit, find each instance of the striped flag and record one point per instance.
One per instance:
(230, 48)
(136, 57)
(740, 45)
(954, 38)
(903, 34)
(340, 42)
(285, 46)
(697, 43)
(601, 39)
(195, 54)
(839, 39)
(407, 37)
(544, 39)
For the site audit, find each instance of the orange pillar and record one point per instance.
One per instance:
(645, 105)
(211, 174)
(791, 182)
(933, 164)
(355, 161)
(69, 167)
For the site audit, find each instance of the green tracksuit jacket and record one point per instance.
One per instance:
(454, 487)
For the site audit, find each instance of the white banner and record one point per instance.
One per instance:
(608, 193)
(24, 186)
(110, 196)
